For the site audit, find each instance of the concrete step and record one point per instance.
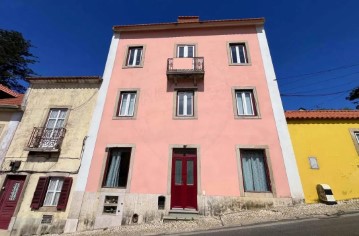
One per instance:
(181, 214)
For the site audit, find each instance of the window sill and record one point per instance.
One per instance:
(259, 194)
(240, 64)
(185, 118)
(114, 189)
(129, 67)
(48, 209)
(124, 118)
(246, 117)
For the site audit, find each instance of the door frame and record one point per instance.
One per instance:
(21, 197)
(169, 173)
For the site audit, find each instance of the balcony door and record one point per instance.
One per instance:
(184, 51)
(53, 128)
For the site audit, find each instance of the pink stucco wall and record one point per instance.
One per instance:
(215, 130)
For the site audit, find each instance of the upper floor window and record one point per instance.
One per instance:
(238, 53)
(53, 132)
(134, 56)
(185, 51)
(245, 103)
(56, 118)
(185, 103)
(127, 103)
(354, 132)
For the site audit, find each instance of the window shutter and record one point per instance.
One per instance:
(64, 195)
(40, 192)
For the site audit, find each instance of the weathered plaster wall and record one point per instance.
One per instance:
(331, 143)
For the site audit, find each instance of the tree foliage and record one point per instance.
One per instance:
(15, 57)
(354, 96)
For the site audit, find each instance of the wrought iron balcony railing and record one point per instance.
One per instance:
(185, 68)
(46, 139)
(185, 65)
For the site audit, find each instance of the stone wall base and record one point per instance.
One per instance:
(135, 208)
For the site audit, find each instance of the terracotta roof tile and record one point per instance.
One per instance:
(8, 91)
(12, 101)
(323, 114)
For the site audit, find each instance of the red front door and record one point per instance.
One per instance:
(9, 197)
(184, 181)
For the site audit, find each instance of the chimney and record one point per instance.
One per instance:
(187, 19)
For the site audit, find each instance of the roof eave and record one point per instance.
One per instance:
(10, 107)
(65, 79)
(189, 25)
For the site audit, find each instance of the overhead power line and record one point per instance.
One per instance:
(319, 82)
(313, 95)
(321, 88)
(320, 72)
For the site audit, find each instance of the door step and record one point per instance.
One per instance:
(181, 214)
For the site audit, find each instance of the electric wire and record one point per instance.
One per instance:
(313, 95)
(320, 72)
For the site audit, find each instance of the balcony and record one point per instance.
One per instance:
(185, 69)
(46, 139)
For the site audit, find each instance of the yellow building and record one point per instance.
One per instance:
(40, 168)
(326, 146)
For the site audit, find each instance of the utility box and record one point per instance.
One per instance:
(325, 194)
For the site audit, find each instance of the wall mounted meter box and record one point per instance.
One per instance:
(325, 194)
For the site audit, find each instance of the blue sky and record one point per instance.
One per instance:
(72, 37)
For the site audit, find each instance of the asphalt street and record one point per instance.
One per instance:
(339, 225)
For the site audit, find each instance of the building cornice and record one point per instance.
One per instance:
(65, 79)
(189, 25)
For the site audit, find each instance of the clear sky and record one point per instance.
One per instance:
(314, 43)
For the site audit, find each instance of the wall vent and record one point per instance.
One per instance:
(46, 219)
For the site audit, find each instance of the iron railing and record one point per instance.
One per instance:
(46, 138)
(197, 65)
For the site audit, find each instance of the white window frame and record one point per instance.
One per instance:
(356, 134)
(135, 50)
(185, 112)
(54, 191)
(244, 102)
(57, 118)
(185, 51)
(127, 105)
(236, 46)
(313, 162)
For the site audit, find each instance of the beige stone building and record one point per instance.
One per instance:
(43, 160)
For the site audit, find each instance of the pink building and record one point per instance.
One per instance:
(189, 120)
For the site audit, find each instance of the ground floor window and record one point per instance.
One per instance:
(117, 167)
(254, 169)
(52, 191)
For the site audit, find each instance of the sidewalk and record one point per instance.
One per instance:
(230, 219)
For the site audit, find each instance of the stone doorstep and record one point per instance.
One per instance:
(4, 232)
(181, 214)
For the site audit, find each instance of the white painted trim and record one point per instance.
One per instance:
(9, 134)
(96, 118)
(295, 184)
